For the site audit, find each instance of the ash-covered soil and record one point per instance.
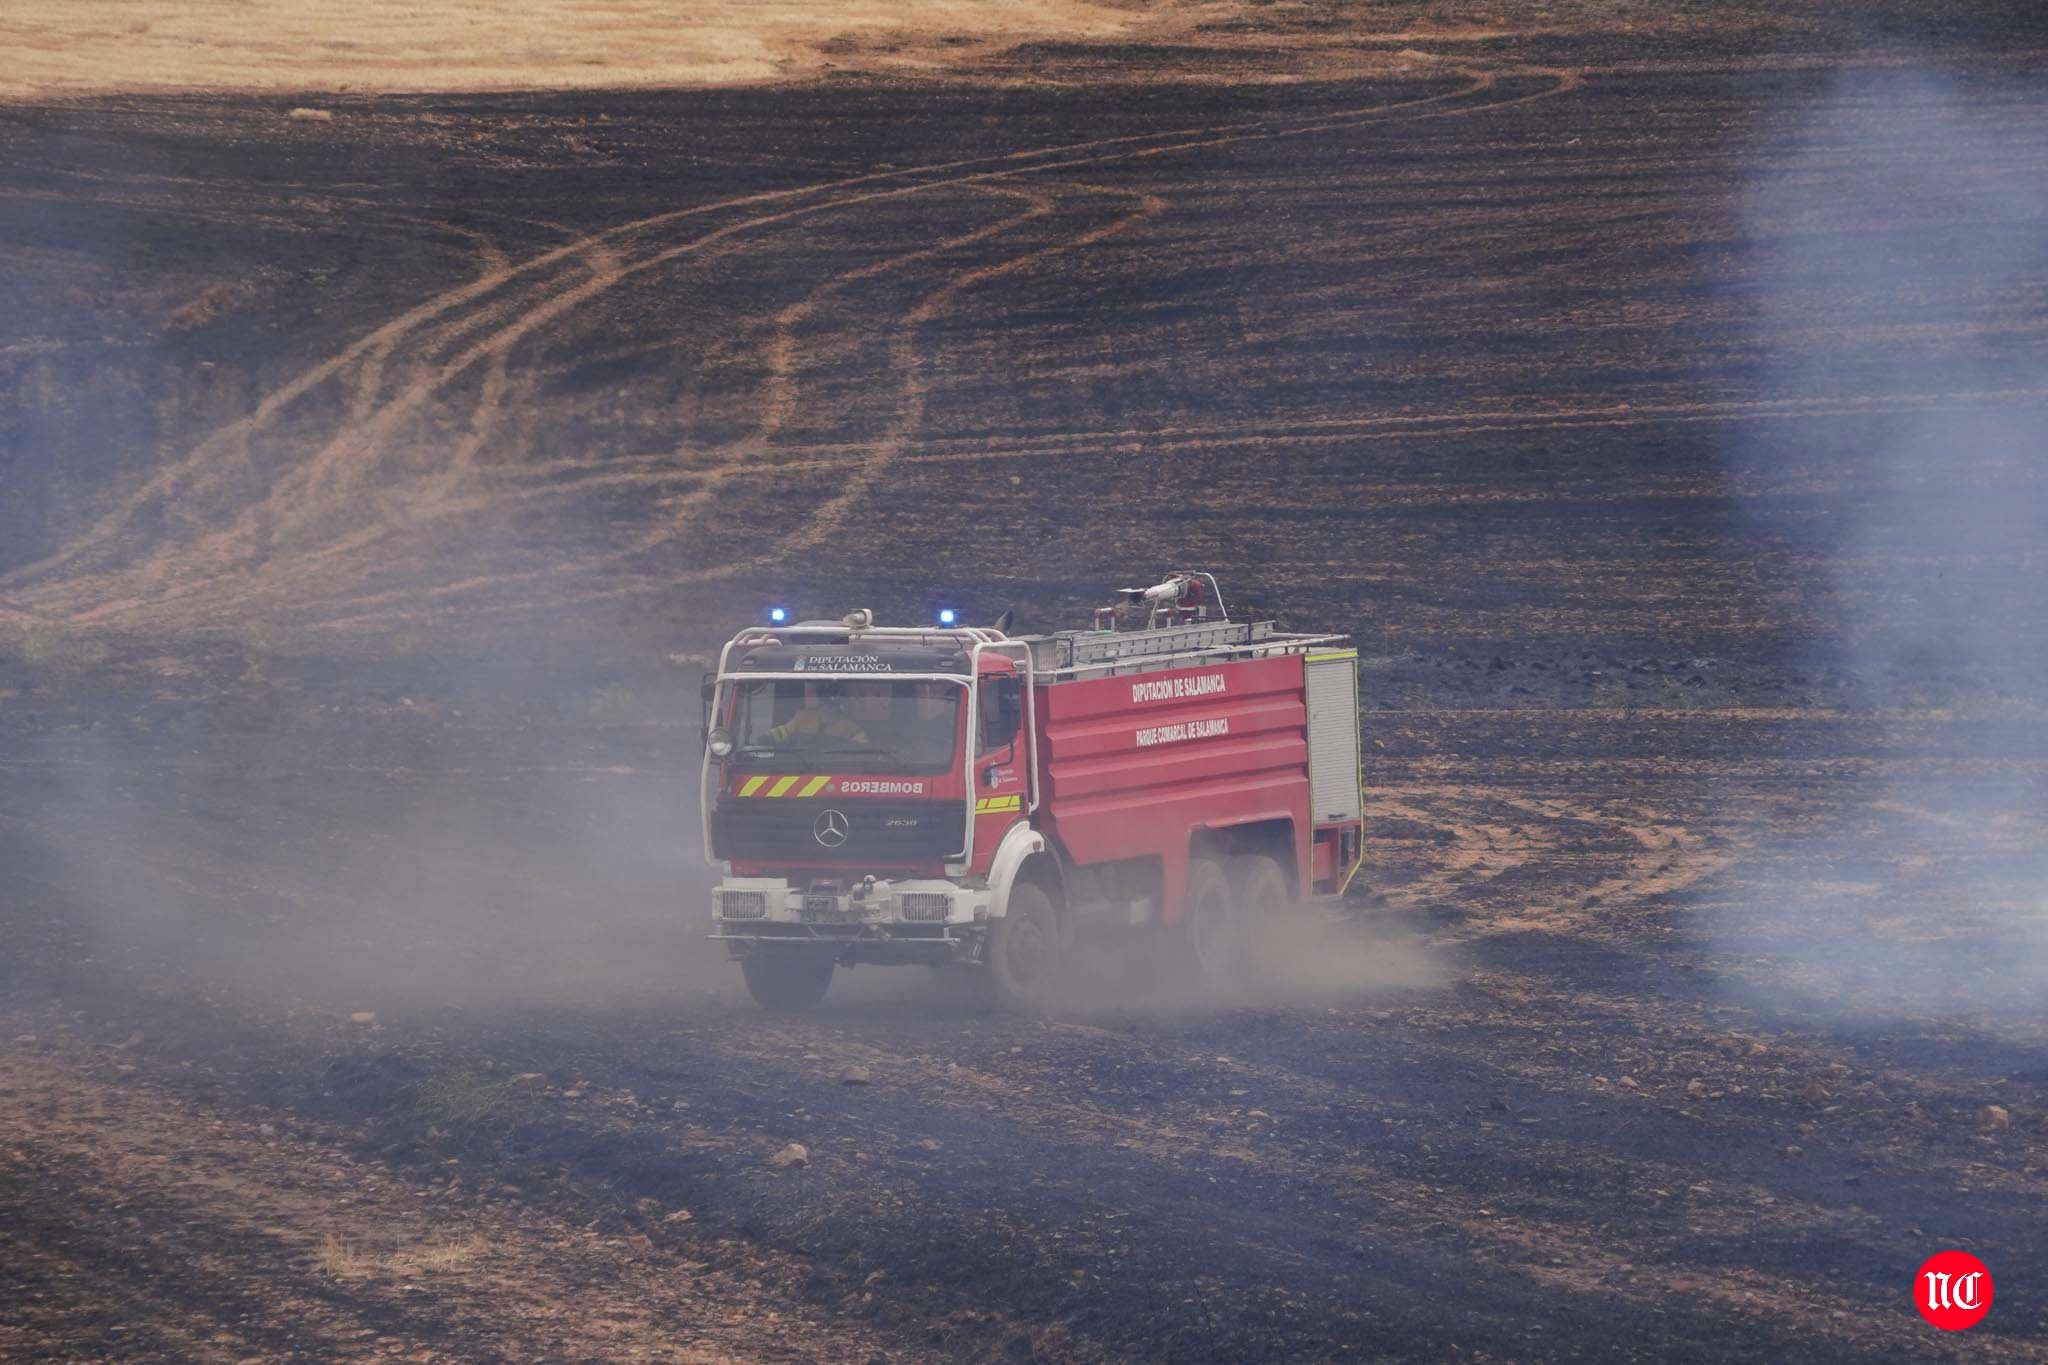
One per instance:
(1609, 1085)
(1663, 433)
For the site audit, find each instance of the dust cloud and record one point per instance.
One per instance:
(372, 849)
(407, 838)
(1315, 954)
(1900, 231)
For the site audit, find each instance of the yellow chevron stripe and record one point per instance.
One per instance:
(814, 786)
(990, 804)
(751, 785)
(782, 784)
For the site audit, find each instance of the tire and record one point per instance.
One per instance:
(787, 980)
(1265, 901)
(1024, 958)
(1212, 926)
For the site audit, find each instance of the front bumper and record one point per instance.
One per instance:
(906, 921)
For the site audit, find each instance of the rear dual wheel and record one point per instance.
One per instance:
(1213, 925)
(1231, 908)
(1266, 901)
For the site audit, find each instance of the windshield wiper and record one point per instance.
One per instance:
(878, 760)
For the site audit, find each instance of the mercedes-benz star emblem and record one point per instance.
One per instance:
(830, 830)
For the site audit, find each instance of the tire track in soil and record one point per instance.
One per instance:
(785, 359)
(368, 379)
(778, 408)
(879, 456)
(915, 391)
(168, 481)
(250, 542)
(1478, 849)
(1421, 426)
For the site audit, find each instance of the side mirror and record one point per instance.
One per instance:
(705, 690)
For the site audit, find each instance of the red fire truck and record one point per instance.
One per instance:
(959, 796)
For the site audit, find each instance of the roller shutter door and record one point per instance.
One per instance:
(1333, 736)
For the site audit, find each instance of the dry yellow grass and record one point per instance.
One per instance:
(65, 47)
(57, 48)
(337, 1260)
(340, 1261)
(452, 1255)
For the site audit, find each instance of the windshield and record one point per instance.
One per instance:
(785, 725)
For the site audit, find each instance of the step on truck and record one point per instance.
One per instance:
(960, 797)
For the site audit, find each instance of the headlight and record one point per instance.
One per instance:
(719, 743)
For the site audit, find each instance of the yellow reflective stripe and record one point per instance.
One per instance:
(1334, 654)
(783, 786)
(990, 804)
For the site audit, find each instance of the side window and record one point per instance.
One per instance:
(1002, 707)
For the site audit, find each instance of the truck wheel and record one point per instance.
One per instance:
(1024, 950)
(1213, 925)
(789, 980)
(1264, 900)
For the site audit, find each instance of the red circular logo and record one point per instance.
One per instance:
(1952, 1290)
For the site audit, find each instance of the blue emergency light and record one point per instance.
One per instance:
(778, 614)
(946, 615)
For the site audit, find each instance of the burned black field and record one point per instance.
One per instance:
(1661, 422)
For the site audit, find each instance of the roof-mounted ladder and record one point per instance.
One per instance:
(1102, 653)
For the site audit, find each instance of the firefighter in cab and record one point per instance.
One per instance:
(837, 715)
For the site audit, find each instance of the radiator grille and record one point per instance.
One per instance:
(926, 907)
(742, 905)
(877, 832)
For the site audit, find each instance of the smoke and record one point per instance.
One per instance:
(376, 844)
(1898, 239)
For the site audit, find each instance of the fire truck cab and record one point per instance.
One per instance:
(956, 796)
